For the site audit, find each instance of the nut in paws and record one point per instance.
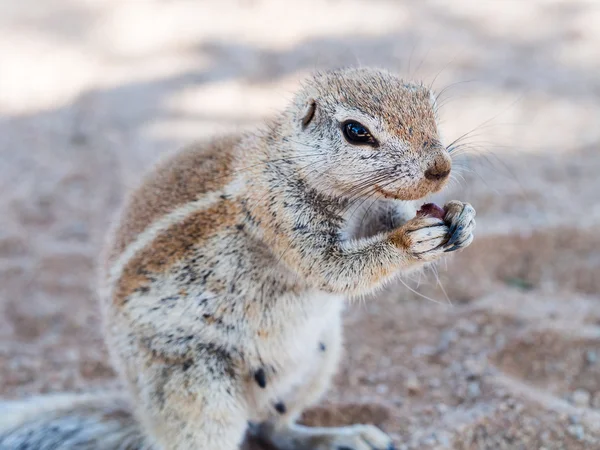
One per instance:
(427, 238)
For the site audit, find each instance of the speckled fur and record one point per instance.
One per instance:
(224, 280)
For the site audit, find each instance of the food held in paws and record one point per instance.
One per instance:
(431, 210)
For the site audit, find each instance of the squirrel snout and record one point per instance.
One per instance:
(439, 168)
(436, 174)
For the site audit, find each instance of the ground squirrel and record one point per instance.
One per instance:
(225, 278)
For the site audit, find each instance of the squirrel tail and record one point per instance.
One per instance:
(68, 422)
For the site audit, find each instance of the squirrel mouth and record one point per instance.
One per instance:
(416, 193)
(387, 194)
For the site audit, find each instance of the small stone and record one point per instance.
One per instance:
(435, 383)
(381, 389)
(369, 379)
(444, 439)
(500, 341)
(502, 393)
(423, 350)
(591, 357)
(430, 441)
(576, 431)
(441, 408)
(455, 368)
(467, 327)
(519, 407)
(446, 339)
(488, 330)
(475, 368)
(413, 386)
(473, 390)
(581, 398)
(545, 436)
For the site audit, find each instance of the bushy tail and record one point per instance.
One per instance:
(69, 422)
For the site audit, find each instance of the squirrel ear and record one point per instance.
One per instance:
(309, 113)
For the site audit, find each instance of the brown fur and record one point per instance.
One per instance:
(173, 245)
(194, 171)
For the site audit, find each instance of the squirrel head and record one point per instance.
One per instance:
(365, 132)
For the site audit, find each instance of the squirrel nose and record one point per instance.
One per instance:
(437, 173)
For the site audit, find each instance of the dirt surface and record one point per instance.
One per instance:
(506, 356)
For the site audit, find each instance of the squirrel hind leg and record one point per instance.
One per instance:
(282, 433)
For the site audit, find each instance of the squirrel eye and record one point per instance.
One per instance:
(355, 133)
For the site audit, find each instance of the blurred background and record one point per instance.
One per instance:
(499, 347)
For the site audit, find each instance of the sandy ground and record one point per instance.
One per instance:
(92, 92)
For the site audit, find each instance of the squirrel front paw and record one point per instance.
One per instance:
(428, 238)
(460, 218)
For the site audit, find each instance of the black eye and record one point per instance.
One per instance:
(355, 133)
